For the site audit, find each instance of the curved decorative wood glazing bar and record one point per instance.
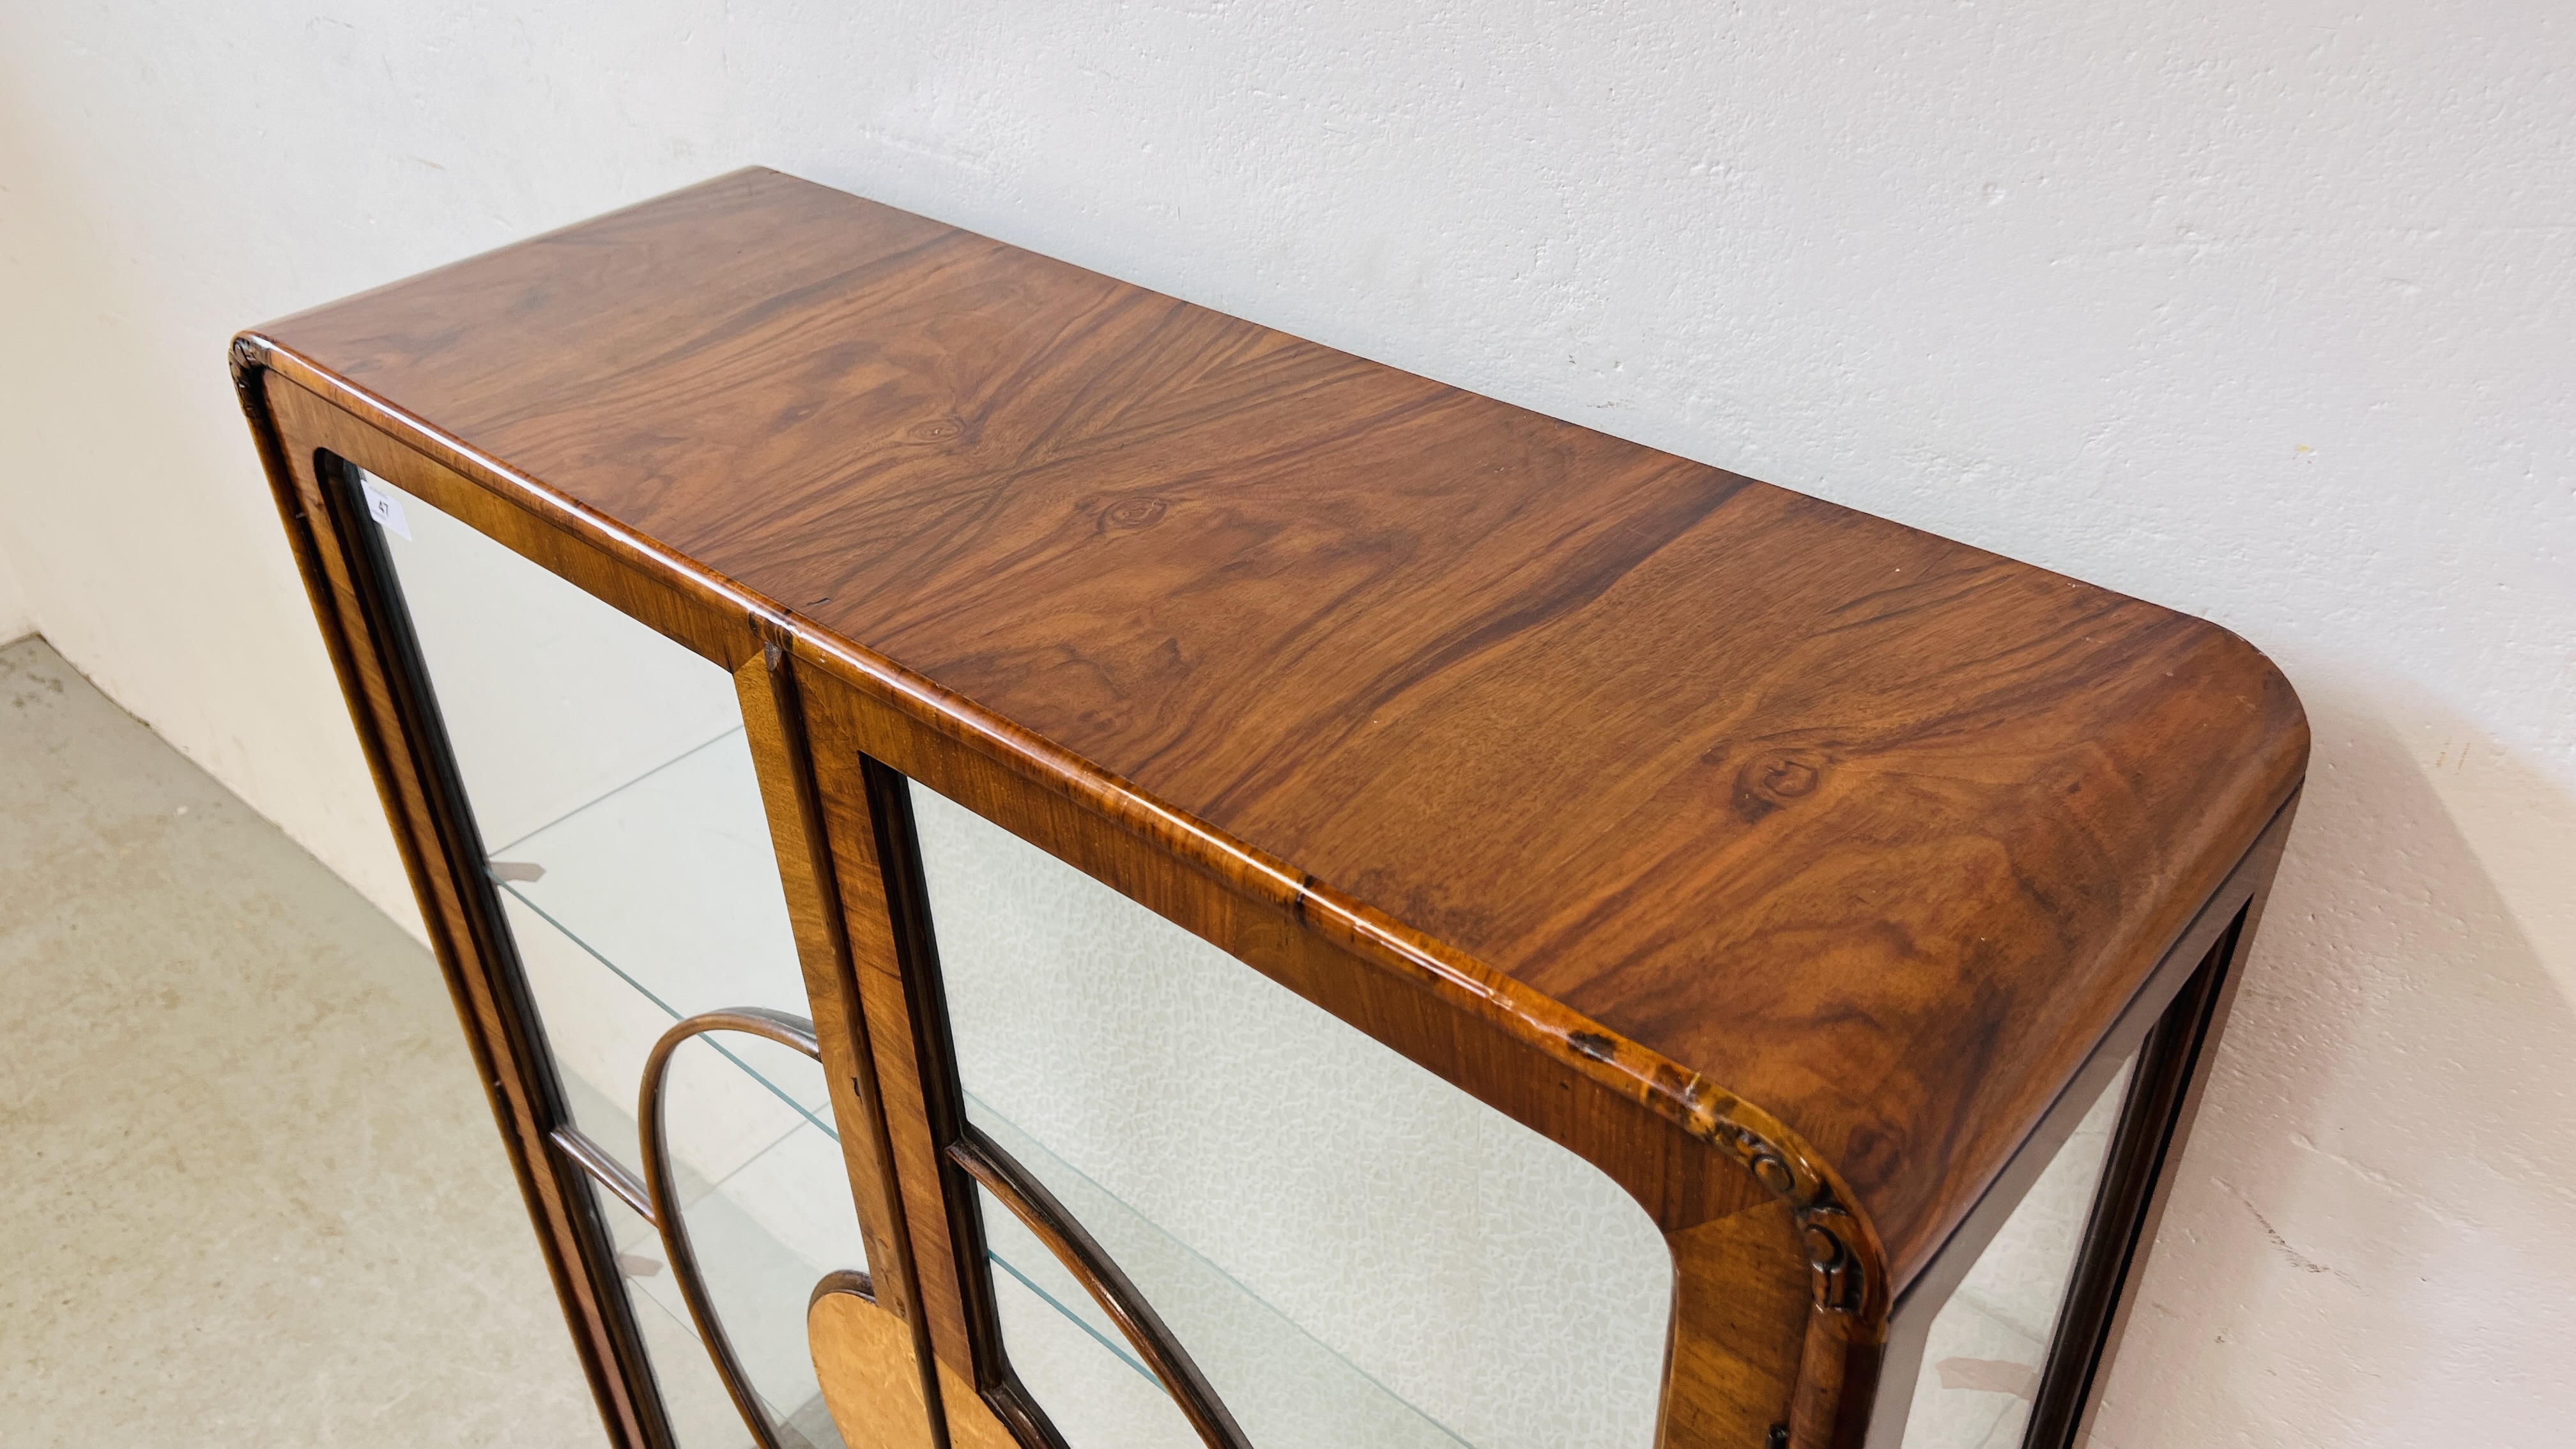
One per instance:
(1860, 906)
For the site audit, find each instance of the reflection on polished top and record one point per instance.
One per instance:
(1874, 829)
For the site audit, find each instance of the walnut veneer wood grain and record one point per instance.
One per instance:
(774, 721)
(863, 1358)
(1861, 823)
(1784, 861)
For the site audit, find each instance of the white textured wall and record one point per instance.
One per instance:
(2261, 311)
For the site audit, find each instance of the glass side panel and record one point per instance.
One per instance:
(1987, 1345)
(1353, 1251)
(701, 1414)
(612, 786)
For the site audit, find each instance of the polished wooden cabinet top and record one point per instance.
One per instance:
(1872, 829)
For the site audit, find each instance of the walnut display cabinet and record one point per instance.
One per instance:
(1029, 863)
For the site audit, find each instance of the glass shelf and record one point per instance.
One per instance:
(655, 902)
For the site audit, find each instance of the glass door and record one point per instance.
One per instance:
(1329, 1244)
(620, 831)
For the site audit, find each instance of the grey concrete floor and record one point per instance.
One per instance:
(252, 1194)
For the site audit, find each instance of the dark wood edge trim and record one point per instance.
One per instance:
(797, 1035)
(629, 1408)
(1852, 1273)
(2137, 1161)
(1013, 1404)
(907, 898)
(605, 1170)
(1018, 1189)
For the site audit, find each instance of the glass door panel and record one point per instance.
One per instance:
(656, 902)
(1351, 1250)
(611, 786)
(610, 779)
(1066, 1351)
(701, 1414)
(764, 1233)
(1987, 1346)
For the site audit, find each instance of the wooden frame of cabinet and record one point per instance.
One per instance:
(1800, 1291)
